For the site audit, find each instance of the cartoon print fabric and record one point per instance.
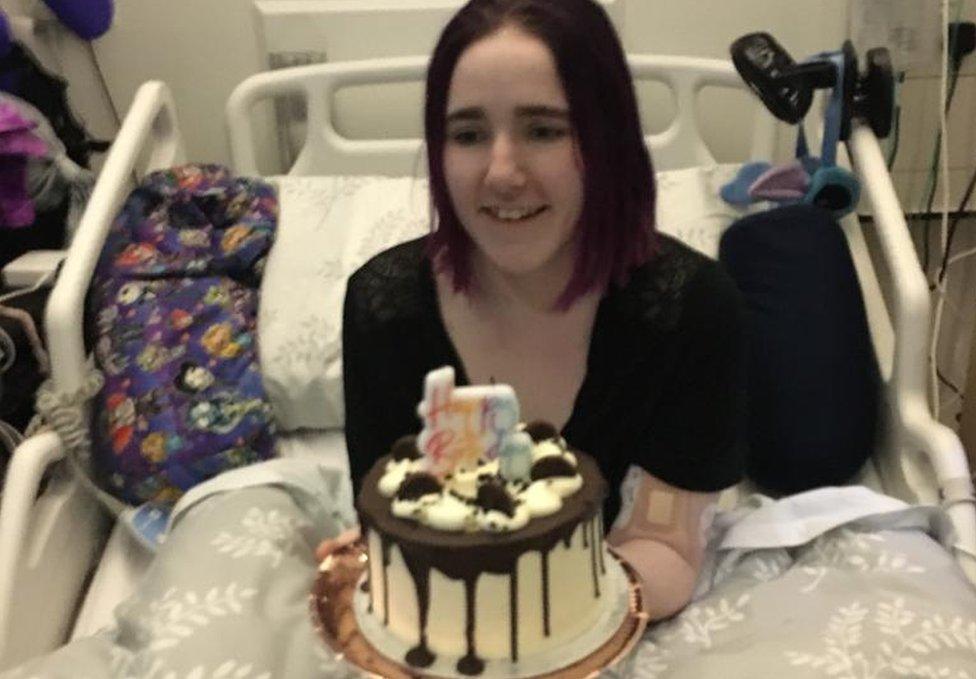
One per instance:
(174, 305)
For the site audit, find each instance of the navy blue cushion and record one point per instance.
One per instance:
(813, 377)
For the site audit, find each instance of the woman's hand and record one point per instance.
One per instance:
(664, 540)
(343, 539)
(667, 581)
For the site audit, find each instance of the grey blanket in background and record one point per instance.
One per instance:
(227, 596)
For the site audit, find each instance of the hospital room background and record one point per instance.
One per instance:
(203, 49)
(203, 53)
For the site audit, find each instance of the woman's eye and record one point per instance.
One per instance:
(467, 137)
(546, 132)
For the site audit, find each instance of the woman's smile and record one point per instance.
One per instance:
(513, 214)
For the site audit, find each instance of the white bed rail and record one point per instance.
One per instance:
(326, 152)
(49, 541)
(150, 127)
(914, 447)
(915, 444)
(48, 545)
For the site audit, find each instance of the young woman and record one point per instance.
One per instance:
(543, 271)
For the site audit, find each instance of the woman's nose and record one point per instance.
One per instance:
(506, 173)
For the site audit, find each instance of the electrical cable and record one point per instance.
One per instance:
(948, 261)
(895, 126)
(33, 337)
(104, 84)
(962, 255)
(932, 182)
(946, 381)
(10, 437)
(944, 228)
(27, 321)
(948, 44)
(41, 282)
(8, 351)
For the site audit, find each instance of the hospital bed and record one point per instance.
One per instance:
(63, 567)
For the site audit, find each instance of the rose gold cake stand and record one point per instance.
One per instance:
(332, 613)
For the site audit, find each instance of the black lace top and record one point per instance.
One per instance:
(664, 379)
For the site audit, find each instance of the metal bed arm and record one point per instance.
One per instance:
(915, 440)
(150, 127)
(73, 523)
(49, 543)
(326, 152)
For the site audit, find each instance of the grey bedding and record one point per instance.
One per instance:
(796, 589)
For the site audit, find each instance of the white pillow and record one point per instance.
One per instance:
(690, 208)
(329, 226)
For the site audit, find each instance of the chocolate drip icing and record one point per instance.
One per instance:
(545, 592)
(465, 556)
(420, 655)
(367, 583)
(386, 579)
(591, 527)
(513, 611)
(586, 536)
(599, 527)
(470, 663)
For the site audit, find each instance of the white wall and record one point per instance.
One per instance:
(921, 94)
(200, 48)
(62, 53)
(921, 98)
(706, 28)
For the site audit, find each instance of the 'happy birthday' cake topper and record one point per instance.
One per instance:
(463, 424)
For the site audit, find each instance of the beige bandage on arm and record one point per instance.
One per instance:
(664, 539)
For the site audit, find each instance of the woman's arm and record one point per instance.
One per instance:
(664, 540)
(694, 439)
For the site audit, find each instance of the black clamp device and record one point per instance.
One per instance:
(786, 87)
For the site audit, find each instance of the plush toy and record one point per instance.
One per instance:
(5, 43)
(87, 18)
(806, 179)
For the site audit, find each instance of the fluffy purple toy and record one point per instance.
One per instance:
(87, 18)
(4, 35)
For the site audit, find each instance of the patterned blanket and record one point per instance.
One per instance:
(228, 596)
(174, 301)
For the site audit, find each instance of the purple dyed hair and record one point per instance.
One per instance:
(617, 218)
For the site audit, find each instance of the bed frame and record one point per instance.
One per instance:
(52, 532)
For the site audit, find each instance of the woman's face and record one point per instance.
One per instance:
(510, 158)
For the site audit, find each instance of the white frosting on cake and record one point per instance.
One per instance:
(454, 509)
(573, 606)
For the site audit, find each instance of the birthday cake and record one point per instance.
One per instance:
(484, 537)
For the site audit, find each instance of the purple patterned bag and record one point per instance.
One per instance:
(174, 302)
